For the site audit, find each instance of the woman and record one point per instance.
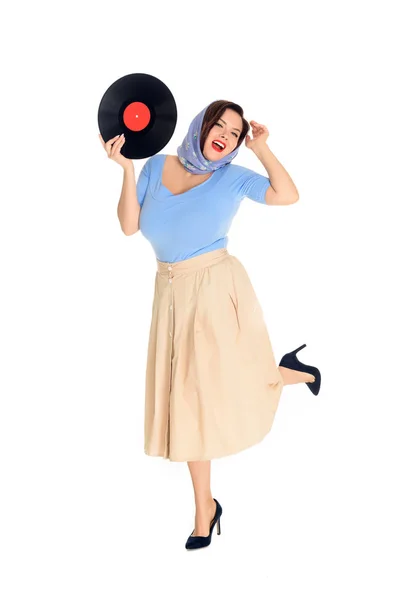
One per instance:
(212, 383)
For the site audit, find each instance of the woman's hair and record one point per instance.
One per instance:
(214, 112)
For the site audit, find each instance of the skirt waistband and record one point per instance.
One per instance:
(192, 264)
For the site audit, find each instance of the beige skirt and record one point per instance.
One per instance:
(212, 383)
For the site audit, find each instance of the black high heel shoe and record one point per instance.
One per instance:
(200, 541)
(290, 361)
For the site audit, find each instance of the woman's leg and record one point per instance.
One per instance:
(200, 470)
(205, 505)
(291, 376)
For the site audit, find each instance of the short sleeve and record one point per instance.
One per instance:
(253, 185)
(143, 182)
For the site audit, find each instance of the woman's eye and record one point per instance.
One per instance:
(235, 134)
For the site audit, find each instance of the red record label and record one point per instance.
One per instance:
(136, 116)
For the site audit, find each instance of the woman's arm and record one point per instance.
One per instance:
(282, 189)
(128, 207)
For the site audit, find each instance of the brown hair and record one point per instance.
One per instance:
(214, 112)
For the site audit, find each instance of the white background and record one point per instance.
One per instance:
(310, 512)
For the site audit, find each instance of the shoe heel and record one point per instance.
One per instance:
(297, 349)
(219, 526)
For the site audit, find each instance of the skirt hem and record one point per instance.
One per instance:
(214, 456)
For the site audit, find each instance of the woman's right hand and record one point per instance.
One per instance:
(113, 147)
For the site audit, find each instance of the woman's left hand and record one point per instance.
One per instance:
(260, 135)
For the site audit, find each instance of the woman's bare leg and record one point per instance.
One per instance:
(291, 376)
(205, 506)
(200, 470)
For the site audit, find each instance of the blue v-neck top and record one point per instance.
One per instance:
(180, 226)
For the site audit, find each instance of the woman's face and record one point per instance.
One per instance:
(226, 130)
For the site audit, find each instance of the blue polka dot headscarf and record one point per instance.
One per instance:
(189, 152)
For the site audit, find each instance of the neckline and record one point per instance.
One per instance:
(187, 191)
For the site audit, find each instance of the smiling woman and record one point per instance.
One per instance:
(212, 382)
(223, 121)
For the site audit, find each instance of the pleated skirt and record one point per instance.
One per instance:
(212, 382)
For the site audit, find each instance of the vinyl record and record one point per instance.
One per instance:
(143, 108)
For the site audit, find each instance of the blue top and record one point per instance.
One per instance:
(180, 226)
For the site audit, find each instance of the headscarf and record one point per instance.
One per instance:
(189, 152)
